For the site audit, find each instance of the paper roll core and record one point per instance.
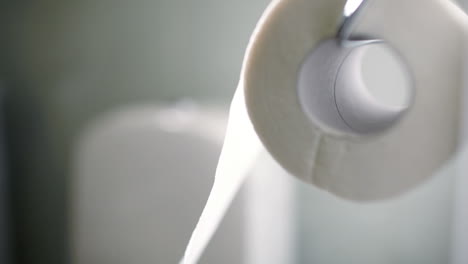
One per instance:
(343, 91)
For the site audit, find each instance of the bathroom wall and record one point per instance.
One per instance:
(4, 193)
(69, 62)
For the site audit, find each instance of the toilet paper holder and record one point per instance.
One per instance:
(351, 11)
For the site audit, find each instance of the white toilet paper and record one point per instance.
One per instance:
(429, 35)
(241, 147)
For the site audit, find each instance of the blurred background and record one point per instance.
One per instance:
(113, 114)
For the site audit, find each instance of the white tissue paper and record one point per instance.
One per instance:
(429, 35)
(241, 148)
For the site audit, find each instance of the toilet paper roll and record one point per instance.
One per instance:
(429, 35)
